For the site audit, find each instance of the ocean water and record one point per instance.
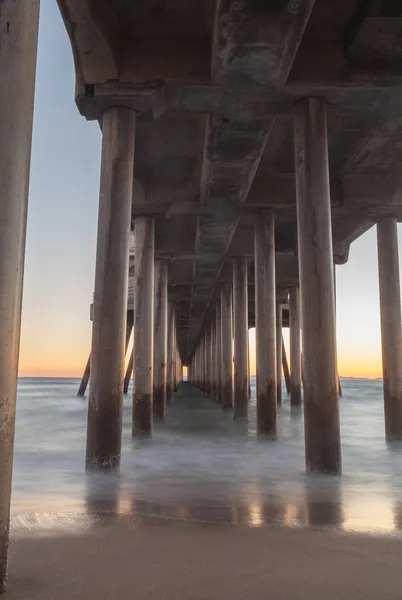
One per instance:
(201, 465)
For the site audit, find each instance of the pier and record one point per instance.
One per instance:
(246, 146)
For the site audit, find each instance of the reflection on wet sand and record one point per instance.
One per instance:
(200, 466)
(321, 506)
(106, 501)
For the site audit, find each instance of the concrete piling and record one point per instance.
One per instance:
(213, 358)
(295, 350)
(321, 401)
(170, 350)
(129, 372)
(265, 327)
(240, 310)
(279, 353)
(285, 366)
(17, 82)
(218, 354)
(227, 347)
(85, 378)
(391, 332)
(143, 325)
(160, 338)
(105, 402)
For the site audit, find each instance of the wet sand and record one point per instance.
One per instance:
(143, 558)
(204, 509)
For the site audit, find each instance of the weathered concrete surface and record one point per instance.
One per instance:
(321, 402)
(143, 326)
(204, 363)
(160, 339)
(170, 351)
(218, 391)
(240, 337)
(265, 332)
(18, 48)
(213, 359)
(391, 327)
(295, 349)
(105, 402)
(278, 353)
(227, 346)
(208, 359)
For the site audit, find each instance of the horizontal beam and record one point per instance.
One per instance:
(374, 194)
(232, 100)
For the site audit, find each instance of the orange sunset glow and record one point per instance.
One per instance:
(53, 356)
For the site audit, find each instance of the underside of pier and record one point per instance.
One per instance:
(213, 84)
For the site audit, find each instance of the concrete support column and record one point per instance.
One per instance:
(127, 376)
(205, 361)
(85, 378)
(265, 319)
(207, 339)
(129, 328)
(226, 360)
(199, 365)
(285, 365)
(218, 354)
(19, 40)
(143, 325)
(174, 354)
(160, 338)
(176, 370)
(295, 352)
(170, 342)
(105, 402)
(211, 343)
(129, 371)
(240, 302)
(279, 353)
(321, 401)
(213, 358)
(339, 379)
(391, 331)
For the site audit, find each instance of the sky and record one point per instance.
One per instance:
(61, 238)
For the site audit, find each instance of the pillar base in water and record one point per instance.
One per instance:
(227, 396)
(159, 403)
(142, 423)
(240, 408)
(266, 413)
(295, 395)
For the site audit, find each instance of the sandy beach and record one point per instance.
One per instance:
(142, 558)
(204, 510)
